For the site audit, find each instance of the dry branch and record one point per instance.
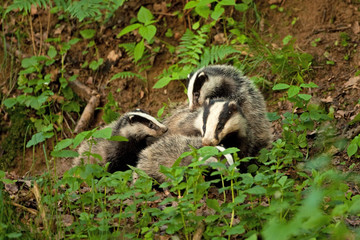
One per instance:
(87, 113)
(81, 90)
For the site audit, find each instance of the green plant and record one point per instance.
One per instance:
(146, 29)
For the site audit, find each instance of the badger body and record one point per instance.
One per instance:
(182, 121)
(138, 127)
(228, 83)
(166, 151)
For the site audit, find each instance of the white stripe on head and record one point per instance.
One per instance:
(190, 90)
(212, 122)
(147, 116)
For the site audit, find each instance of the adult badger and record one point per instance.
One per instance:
(138, 127)
(228, 83)
(166, 151)
(223, 122)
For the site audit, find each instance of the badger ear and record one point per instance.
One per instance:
(130, 119)
(207, 102)
(233, 105)
(202, 76)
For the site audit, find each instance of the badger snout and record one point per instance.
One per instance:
(164, 129)
(209, 142)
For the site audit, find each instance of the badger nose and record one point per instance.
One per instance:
(165, 129)
(192, 107)
(206, 142)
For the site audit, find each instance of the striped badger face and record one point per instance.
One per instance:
(220, 119)
(210, 82)
(140, 124)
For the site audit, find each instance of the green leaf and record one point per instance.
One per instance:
(144, 15)
(293, 91)
(128, 29)
(88, 33)
(35, 139)
(203, 11)
(227, 2)
(10, 102)
(64, 153)
(96, 64)
(147, 32)
(352, 149)
(80, 137)
(52, 52)
(214, 204)
(103, 133)
(238, 229)
(139, 50)
(309, 85)
(287, 39)
(257, 190)
(63, 144)
(190, 4)
(218, 11)
(162, 82)
(305, 97)
(118, 138)
(241, 7)
(281, 86)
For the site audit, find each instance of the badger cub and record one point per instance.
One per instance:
(138, 127)
(166, 151)
(223, 122)
(228, 83)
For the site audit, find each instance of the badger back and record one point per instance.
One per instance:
(213, 82)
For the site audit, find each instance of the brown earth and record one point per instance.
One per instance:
(330, 24)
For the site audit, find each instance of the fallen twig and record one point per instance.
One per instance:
(87, 113)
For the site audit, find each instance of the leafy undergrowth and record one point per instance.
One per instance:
(290, 191)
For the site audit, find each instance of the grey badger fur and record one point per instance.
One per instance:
(166, 151)
(223, 81)
(182, 121)
(138, 127)
(223, 122)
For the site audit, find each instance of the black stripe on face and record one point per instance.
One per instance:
(146, 122)
(205, 115)
(226, 113)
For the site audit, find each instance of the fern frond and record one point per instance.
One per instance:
(215, 54)
(85, 8)
(127, 75)
(25, 5)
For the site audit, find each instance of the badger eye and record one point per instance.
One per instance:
(151, 125)
(196, 94)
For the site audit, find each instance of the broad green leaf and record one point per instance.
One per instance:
(227, 2)
(29, 62)
(96, 64)
(144, 15)
(81, 136)
(35, 139)
(305, 97)
(203, 11)
(190, 4)
(73, 41)
(88, 33)
(281, 86)
(352, 149)
(218, 11)
(139, 50)
(238, 229)
(52, 52)
(257, 190)
(309, 85)
(10, 102)
(64, 153)
(128, 29)
(293, 91)
(241, 7)
(214, 204)
(118, 138)
(147, 32)
(63, 144)
(103, 133)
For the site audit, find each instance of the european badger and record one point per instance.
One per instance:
(223, 122)
(223, 81)
(166, 151)
(138, 127)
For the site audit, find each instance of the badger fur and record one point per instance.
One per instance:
(224, 122)
(223, 81)
(166, 151)
(138, 127)
(182, 121)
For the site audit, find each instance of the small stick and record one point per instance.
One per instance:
(87, 113)
(199, 231)
(30, 210)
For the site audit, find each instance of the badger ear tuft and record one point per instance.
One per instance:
(130, 119)
(202, 76)
(233, 105)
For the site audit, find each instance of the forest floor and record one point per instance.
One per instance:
(327, 29)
